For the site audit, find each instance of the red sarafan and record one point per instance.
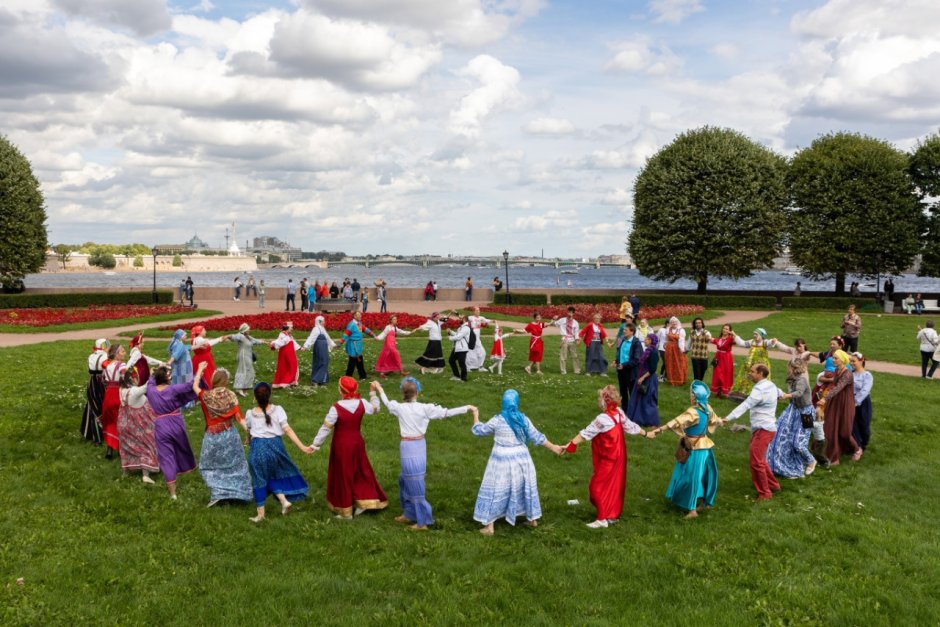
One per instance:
(609, 313)
(304, 321)
(48, 316)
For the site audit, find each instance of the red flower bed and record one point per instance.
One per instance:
(584, 313)
(48, 316)
(304, 321)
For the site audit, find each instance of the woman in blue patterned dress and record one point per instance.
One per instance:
(788, 454)
(222, 462)
(509, 486)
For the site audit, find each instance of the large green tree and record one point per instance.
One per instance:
(22, 216)
(854, 210)
(710, 204)
(925, 171)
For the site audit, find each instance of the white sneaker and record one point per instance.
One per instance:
(483, 369)
(597, 524)
(358, 511)
(810, 469)
(213, 503)
(455, 378)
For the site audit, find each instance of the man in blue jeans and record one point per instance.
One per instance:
(468, 290)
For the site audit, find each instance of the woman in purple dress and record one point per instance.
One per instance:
(643, 407)
(174, 454)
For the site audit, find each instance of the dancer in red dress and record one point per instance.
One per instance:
(112, 371)
(609, 451)
(498, 354)
(202, 352)
(536, 346)
(389, 358)
(351, 486)
(723, 371)
(287, 372)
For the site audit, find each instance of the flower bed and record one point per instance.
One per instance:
(584, 312)
(50, 316)
(304, 321)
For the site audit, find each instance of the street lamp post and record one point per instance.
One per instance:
(506, 262)
(154, 294)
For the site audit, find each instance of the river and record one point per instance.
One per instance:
(450, 277)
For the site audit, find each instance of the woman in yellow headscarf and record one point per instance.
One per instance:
(839, 410)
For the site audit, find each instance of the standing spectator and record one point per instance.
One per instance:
(762, 403)
(569, 341)
(356, 288)
(182, 290)
(856, 292)
(190, 291)
(252, 288)
(429, 291)
(798, 290)
(262, 290)
(347, 291)
(851, 326)
(334, 291)
(382, 295)
(929, 345)
(889, 289)
(497, 284)
(626, 309)
(238, 289)
(918, 304)
(434, 287)
(635, 303)
(365, 300)
(291, 294)
(468, 289)
(311, 296)
(304, 297)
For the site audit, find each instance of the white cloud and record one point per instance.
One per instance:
(144, 17)
(549, 126)
(673, 11)
(357, 54)
(461, 22)
(497, 90)
(887, 18)
(641, 56)
(726, 50)
(546, 221)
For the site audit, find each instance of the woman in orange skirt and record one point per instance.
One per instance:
(676, 366)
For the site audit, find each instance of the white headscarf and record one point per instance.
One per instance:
(329, 341)
(674, 323)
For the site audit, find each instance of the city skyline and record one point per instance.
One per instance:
(369, 126)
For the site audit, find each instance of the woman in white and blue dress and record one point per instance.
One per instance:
(321, 344)
(788, 454)
(509, 487)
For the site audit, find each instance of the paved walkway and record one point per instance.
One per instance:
(231, 308)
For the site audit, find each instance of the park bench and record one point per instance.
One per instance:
(330, 305)
(931, 305)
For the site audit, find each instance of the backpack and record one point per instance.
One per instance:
(472, 340)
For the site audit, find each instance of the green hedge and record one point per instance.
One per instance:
(83, 299)
(520, 299)
(827, 302)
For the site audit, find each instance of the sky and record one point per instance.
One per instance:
(428, 126)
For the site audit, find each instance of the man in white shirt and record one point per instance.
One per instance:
(569, 341)
(762, 403)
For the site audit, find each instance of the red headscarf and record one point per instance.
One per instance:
(197, 330)
(348, 387)
(137, 339)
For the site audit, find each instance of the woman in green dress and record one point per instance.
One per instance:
(756, 355)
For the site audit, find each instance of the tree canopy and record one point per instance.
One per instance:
(854, 210)
(925, 172)
(22, 217)
(710, 204)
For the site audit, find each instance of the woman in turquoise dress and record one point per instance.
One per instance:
(696, 479)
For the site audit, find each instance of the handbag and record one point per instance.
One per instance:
(644, 387)
(807, 420)
(714, 362)
(683, 450)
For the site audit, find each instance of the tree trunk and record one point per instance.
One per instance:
(702, 283)
(840, 283)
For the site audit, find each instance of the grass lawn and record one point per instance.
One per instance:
(107, 324)
(883, 337)
(854, 545)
